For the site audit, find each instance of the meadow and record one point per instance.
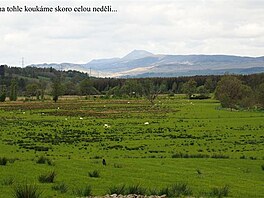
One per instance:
(177, 141)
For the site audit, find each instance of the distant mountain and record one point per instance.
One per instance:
(136, 54)
(140, 63)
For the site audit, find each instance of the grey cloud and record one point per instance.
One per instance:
(174, 27)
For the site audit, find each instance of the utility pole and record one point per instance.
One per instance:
(22, 62)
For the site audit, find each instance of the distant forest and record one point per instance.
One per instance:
(38, 82)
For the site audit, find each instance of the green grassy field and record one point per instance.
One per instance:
(176, 140)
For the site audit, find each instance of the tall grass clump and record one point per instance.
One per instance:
(181, 188)
(83, 192)
(8, 181)
(41, 160)
(220, 191)
(136, 189)
(153, 191)
(3, 161)
(94, 173)
(44, 160)
(119, 190)
(61, 187)
(176, 190)
(164, 191)
(47, 177)
(26, 191)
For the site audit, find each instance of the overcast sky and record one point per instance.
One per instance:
(161, 27)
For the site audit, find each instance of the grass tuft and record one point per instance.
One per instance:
(164, 191)
(61, 187)
(199, 172)
(27, 191)
(262, 167)
(8, 181)
(220, 191)
(44, 160)
(153, 191)
(41, 160)
(83, 192)
(118, 166)
(3, 161)
(136, 189)
(119, 190)
(94, 173)
(180, 188)
(47, 177)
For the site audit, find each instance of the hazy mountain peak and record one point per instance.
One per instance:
(136, 54)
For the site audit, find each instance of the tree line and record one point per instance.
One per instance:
(233, 91)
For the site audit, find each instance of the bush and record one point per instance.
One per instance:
(61, 187)
(220, 191)
(262, 167)
(119, 190)
(27, 191)
(95, 173)
(83, 192)
(3, 161)
(48, 177)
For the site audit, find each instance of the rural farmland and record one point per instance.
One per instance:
(196, 143)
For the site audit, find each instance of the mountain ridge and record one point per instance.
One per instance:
(141, 62)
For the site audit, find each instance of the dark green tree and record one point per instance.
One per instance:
(132, 88)
(260, 95)
(202, 90)
(87, 88)
(209, 85)
(13, 90)
(42, 85)
(32, 89)
(115, 92)
(57, 89)
(174, 88)
(2, 93)
(229, 91)
(150, 90)
(189, 87)
(247, 100)
(163, 87)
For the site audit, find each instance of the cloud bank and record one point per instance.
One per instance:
(161, 27)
